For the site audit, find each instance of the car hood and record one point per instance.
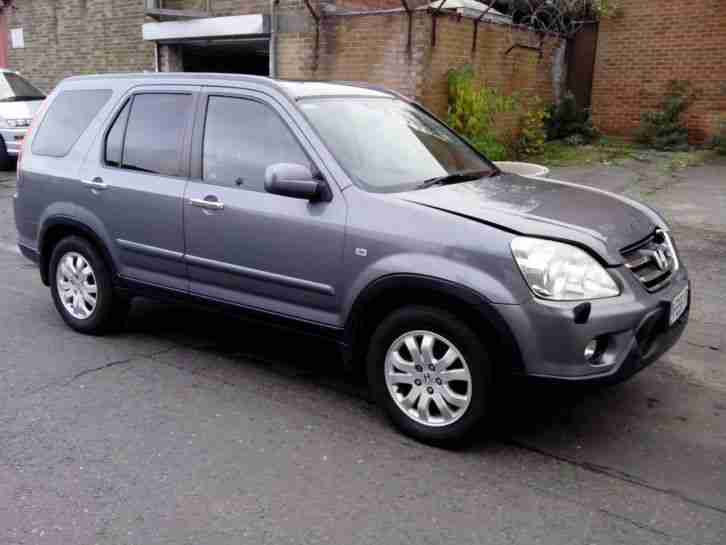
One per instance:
(601, 221)
(19, 110)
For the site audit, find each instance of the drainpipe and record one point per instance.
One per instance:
(157, 64)
(273, 38)
(4, 37)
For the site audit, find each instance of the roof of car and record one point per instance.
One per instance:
(293, 88)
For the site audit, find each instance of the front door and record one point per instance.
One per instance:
(269, 252)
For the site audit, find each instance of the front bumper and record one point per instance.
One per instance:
(13, 139)
(634, 327)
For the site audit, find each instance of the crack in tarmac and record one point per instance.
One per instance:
(587, 466)
(617, 474)
(708, 346)
(644, 526)
(65, 382)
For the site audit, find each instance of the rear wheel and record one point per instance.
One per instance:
(431, 374)
(82, 288)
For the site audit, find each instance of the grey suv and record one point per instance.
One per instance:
(347, 211)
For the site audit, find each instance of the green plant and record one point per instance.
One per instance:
(663, 129)
(491, 147)
(605, 150)
(567, 119)
(719, 141)
(604, 9)
(532, 134)
(473, 109)
(575, 140)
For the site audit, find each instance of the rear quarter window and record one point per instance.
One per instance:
(68, 116)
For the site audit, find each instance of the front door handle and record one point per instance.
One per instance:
(208, 204)
(97, 183)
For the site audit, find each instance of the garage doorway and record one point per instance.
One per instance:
(243, 56)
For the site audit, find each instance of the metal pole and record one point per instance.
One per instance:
(315, 16)
(273, 39)
(409, 13)
(435, 14)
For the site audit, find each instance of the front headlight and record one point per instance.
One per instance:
(561, 272)
(15, 123)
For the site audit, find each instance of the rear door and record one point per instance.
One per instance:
(270, 252)
(48, 174)
(137, 180)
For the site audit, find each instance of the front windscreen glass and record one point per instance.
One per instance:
(14, 88)
(387, 145)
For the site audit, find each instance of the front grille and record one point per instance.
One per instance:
(653, 261)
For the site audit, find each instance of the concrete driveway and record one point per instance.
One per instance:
(193, 428)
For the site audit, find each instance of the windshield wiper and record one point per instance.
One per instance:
(20, 98)
(456, 177)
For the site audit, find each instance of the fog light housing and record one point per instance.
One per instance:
(594, 350)
(590, 349)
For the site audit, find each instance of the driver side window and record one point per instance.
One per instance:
(241, 139)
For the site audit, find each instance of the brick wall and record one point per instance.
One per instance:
(651, 43)
(79, 37)
(223, 7)
(373, 49)
(521, 70)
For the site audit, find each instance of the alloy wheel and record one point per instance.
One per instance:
(76, 285)
(428, 378)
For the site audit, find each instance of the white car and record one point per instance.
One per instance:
(19, 100)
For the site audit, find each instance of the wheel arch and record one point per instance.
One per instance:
(385, 294)
(57, 228)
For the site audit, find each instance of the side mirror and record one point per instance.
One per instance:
(293, 180)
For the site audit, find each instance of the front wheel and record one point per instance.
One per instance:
(431, 374)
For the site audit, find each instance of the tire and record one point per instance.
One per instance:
(110, 309)
(6, 162)
(455, 423)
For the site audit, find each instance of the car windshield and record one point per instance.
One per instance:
(387, 145)
(14, 88)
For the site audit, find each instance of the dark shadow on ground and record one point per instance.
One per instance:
(652, 430)
(523, 407)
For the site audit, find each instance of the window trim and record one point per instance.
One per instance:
(198, 138)
(184, 151)
(107, 131)
(49, 108)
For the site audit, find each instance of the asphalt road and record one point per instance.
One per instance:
(191, 428)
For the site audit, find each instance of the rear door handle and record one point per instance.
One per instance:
(96, 183)
(209, 205)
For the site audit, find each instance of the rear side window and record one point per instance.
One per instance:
(68, 116)
(152, 131)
